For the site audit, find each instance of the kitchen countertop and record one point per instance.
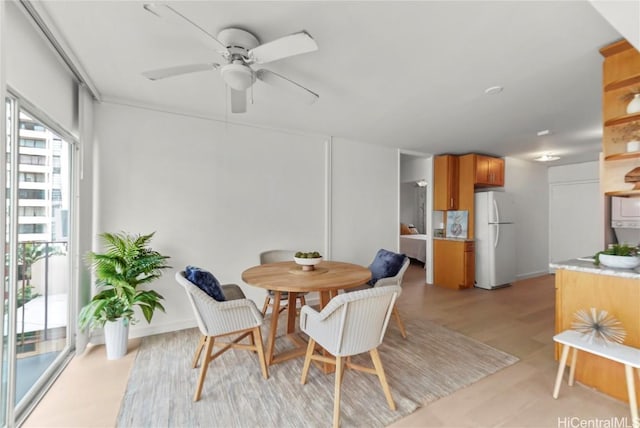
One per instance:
(585, 265)
(444, 238)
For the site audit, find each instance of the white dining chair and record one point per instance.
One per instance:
(396, 280)
(219, 319)
(350, 324)
(275, 256)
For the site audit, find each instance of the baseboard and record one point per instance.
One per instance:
(155, 328)
(532, 274)
(97, 338)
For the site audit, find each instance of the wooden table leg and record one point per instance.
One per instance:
(275, 311)
(291, 312)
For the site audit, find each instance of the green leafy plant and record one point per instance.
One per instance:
(617, 250)
(127, 263)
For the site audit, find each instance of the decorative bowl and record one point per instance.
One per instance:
(307, 264)
(623, 262)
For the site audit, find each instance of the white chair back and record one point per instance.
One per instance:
(397, 278)
(215, 318)
(274, 256)
(352, 323)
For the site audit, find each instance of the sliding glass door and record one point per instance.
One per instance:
(37, 280)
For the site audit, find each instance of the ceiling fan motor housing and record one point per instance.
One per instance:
(238, 41)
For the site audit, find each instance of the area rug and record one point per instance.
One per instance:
(431, 363)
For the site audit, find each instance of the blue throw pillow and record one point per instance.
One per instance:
(386, 264)
(205, 282)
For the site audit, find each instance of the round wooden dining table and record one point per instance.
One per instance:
(327, 278)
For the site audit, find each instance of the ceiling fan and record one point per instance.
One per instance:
(240, 50)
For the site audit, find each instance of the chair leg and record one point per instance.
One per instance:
(257, 338)
(396, 315)
(205, 365)
(266, 305)
(196, 357)
(377, 363)
(307, 361)
(336, 398)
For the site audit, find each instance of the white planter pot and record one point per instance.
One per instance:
(116, 338)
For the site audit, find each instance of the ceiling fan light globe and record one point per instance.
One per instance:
(238, 76)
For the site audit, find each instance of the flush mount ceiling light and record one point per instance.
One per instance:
(547, 157)
(543, 133)
(421, 183)
(493, 90)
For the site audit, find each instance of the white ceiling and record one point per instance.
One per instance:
(402, 74)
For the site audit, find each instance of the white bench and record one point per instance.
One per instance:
(626, 355)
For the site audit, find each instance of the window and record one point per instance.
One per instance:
(33, 160)
(31, 126)
(30, 142)
(31, 228)
(32, 177)
(32, 211)
(31, 194)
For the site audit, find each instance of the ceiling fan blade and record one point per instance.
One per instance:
(178, 70)
(238, 100)
(171, 15)
(289, 86)
(293, 44)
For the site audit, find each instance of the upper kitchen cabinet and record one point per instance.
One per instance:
(488, 171)
(621, 118)
(445, 179)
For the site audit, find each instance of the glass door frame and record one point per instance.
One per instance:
(17, 412)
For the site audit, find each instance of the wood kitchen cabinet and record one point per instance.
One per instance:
(454, 263)
(445, 189)
(620, 81)
(488, 171)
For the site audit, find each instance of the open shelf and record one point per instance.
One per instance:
(620, 156)
(623, 193)
(622, 119)
(633, 80)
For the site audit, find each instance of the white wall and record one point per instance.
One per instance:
(216, 195)
(409, 204)
(528, 182)
(364, 200)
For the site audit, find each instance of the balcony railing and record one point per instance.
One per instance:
(42, 280)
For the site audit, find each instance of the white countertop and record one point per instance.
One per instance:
(444, 238)
(589, 267)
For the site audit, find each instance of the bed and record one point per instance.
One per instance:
(414, 246)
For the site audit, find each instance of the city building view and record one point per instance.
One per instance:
(40, 253)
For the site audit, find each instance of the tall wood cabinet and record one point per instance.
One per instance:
(454, 263)
(445, 178)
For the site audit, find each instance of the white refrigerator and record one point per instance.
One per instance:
(495, 236)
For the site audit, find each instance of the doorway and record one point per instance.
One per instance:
(415, 204)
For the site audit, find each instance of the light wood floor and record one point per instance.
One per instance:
(517, 319)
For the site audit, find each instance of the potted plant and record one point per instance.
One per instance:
(127, 263)
(619, 256)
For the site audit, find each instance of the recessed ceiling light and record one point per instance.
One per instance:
(543, 132)
(547, 157)
(493, 90)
